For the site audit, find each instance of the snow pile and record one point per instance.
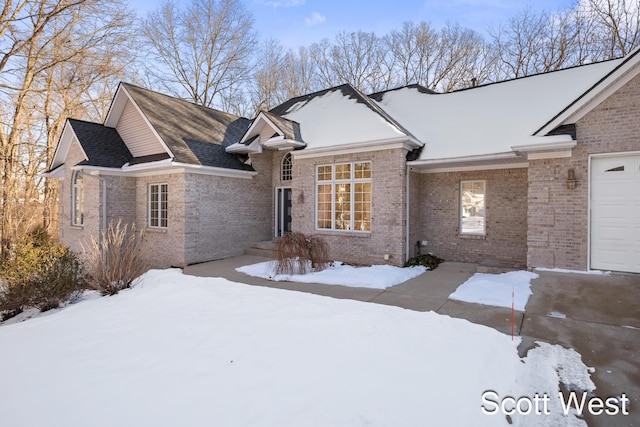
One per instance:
(374, 277)
(183, 350)
(497, 289)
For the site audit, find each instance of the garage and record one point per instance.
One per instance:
(615, 213)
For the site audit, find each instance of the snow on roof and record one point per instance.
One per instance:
(334, 119)
(489, 119)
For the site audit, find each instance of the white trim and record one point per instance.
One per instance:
(478, 158)
(215, 171)
(147, 165)
(237, 147)
(55, 173)
(282, 144)
(550, 155)
(67, 138)
(558, 144)
(358, 147)
(262, 116)
(151, 169)
(498, 166)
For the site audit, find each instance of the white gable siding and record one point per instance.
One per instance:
(266, 132)
(138, 136)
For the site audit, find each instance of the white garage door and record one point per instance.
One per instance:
(615, 213)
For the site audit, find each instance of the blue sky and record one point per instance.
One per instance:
(302, 22)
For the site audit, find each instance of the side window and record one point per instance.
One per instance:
(158, 205)
(472, 207)
(77, 198)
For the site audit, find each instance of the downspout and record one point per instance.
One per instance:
(407, 243)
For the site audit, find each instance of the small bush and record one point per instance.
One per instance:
(38, 272)
(427, 260)
(296, 253)
(116, 259)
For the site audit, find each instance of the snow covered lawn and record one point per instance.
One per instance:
(374, 277)
(179, 350)
(497, 289)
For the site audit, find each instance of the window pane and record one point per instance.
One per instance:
(343, 171)
(77, 191)
(324, 206)
(324, 173)
(343, 206)
(285, 174)
(472, 202)
(362, 207)
(362, 170)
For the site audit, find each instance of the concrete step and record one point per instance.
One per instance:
(263, 249)
(498, 267)
(269, 245)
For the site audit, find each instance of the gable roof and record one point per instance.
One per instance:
(102, 145)
(493, 118)
(194, 134)
(289, 128)
(340, 115)
(625, 69)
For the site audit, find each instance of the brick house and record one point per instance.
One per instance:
(541, 171)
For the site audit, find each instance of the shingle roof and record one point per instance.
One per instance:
(348, 91)
(102, 145)
(194, 134)
(290, 128)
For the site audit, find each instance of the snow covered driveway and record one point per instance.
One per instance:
(181, 350)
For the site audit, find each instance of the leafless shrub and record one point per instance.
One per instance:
(318, 253)
(296, 253)
(116, 259)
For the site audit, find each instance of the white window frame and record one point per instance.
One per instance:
(461, 212)
(352, 181)
(159, 218)
(77, 206)
(286, 174)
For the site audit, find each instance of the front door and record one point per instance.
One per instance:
(283, 211)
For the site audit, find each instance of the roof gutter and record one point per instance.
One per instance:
(380, 144)
(479, 158)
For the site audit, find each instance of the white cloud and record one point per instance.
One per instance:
(282, 3)
(315, 19)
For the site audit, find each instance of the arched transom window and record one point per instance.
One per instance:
(285, 170)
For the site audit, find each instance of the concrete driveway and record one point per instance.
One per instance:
(598, 316)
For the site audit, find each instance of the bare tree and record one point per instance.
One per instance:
(356, 57)
(269, 89)
(202, 53)
(617, 23)
(50, 49)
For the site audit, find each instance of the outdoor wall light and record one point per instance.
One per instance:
(571, 179)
